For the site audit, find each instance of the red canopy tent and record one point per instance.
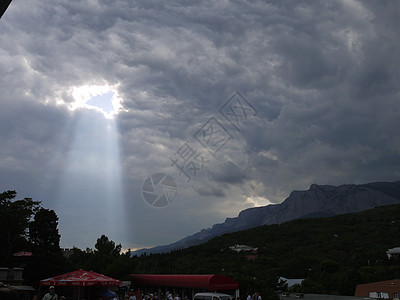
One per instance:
(81, 278)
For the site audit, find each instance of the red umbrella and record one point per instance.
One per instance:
(81, 278)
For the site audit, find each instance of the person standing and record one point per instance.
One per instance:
(132, 297)
(51, 295)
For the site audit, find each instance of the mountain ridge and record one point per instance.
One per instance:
(317, 201)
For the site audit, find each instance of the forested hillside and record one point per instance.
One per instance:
(317, 201)
(332, 254)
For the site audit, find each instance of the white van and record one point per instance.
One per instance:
(212, 296)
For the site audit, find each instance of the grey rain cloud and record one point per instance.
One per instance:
(323, 77)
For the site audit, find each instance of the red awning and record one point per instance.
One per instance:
(209, 282)
(22, 253)
(81, 278)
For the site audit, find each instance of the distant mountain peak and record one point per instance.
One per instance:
(317, 201)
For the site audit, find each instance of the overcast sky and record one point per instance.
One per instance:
(237, 103)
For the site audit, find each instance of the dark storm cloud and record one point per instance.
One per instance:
(31, 143)
(323, 77)
(228, 172)
(210, 191)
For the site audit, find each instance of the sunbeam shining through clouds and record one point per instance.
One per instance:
(92, 179)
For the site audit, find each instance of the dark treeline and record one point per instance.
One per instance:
(333, 254)
(26, 226)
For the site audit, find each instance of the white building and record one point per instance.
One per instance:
(239, 248)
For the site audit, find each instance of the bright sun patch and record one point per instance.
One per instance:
(102, 98)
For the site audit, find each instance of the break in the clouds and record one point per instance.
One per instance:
(98, 95)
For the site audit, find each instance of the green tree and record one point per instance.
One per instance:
(105, 247)
(43, 230)
(25, 225)
(80, 258)
(15, 217)
(101, 259)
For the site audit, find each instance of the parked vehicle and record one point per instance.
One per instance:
(212, 296)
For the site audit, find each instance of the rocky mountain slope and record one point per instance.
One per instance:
(317, 201)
